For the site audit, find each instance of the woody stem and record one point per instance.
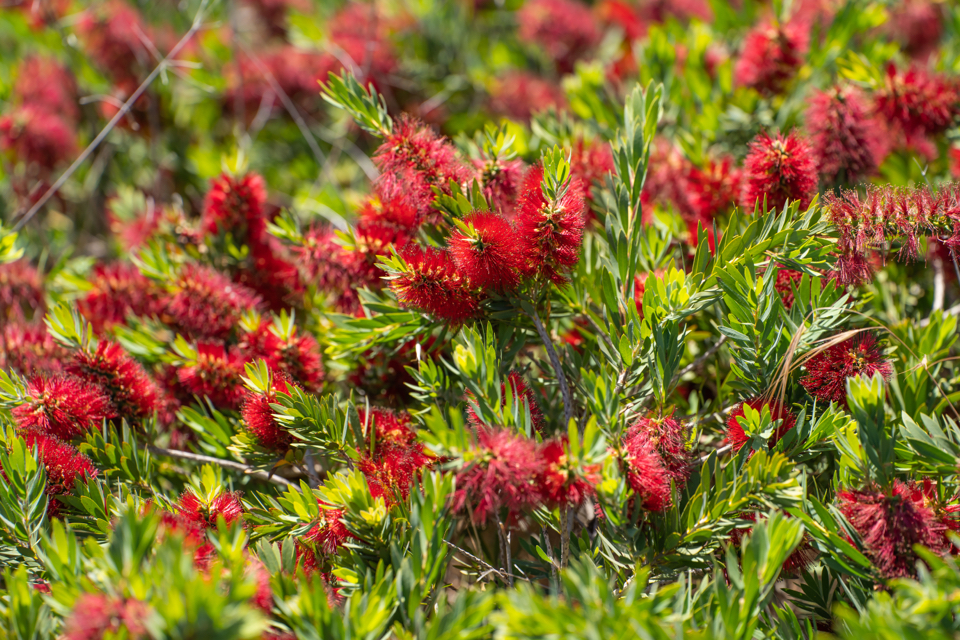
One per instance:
(555, 363)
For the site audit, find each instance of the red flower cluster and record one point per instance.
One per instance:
(918, 26)
(917, 102)
(846, 140)
(561, 481)
(890, 523)
(63, 464)
(205, 304)
(326, 536)
(787, 279)
(414, 159)
(779, 169)
(193, 516)
(21, 292)
(62, 407)
(37, 137)
(501, 183)
(296, 356)
(489, 255)
(882, 214)
(30, 350)
(565, 29)
(550, 233)
(41, 131)
(114, 37)
(260, 423)
(96, 616)
(432, 284)
(654, 454)
(520, 94)
(131, 392)
(827, 372)
(772, 55)
(391, 459)
(235, 204)
(118, 290)
(501, 476)
(215, 374)
(738, 437)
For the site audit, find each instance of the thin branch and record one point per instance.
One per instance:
(259, 474)
(56, 186)
(291, 108)
(555, 362)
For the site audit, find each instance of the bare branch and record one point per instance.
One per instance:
(259, 474)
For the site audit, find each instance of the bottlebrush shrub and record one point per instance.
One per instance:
(488, 346)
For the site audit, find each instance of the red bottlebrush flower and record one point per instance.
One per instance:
(391, 459)
(890, 524)
(520, 94)
(623, 15)
(521, 393)
(216, 374)
(21, 292)
(205, 515)
(414, 159)
(846, 140)
(738, 437)
(501, 183)
(870, 221)
(715, 187)
(206, 304)
(38, 137)
(550, 233)
(133, 395)
(646, 474)
(236, 205)
(117, 291)
(64, 465)
(590, 163)
(96, 616)
(489, 257)
(391, 207)
(565, 29)
(771, 56)
(260, 423)
(113, 35)
(499, 474)
(373, 238)
(918, 26)
(787, 279)
(329, 534)
(30, 350)
(45, 84)
(432, 284)
(827, 372)
(918, 102)
(669, 440)
(63, 407)
(262, 599)
(562, 483)
(268, 274)
(779, 169)
(297, 356)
